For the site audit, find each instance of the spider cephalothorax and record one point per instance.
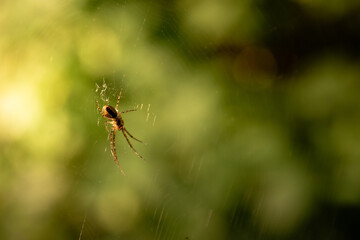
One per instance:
(113, 116)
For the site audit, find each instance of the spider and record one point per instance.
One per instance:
(114, 117)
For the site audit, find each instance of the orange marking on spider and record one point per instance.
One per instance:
(113, 117)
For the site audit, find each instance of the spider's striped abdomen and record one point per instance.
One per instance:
(109, 112)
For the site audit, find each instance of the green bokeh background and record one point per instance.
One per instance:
(250, 110)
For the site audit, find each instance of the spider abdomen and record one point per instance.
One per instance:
(109, 112)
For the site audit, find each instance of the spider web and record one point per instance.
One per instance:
(186, 190)
(159, 221)
(249, 114)
(106, 91)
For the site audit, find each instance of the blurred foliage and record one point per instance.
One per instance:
(249, 108)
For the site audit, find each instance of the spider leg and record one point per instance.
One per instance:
(106, 125)
(98, 108)
(113, 149)
(107, 129)
(133, 136)
(131, 110)
(127, 139)
(117, 102)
